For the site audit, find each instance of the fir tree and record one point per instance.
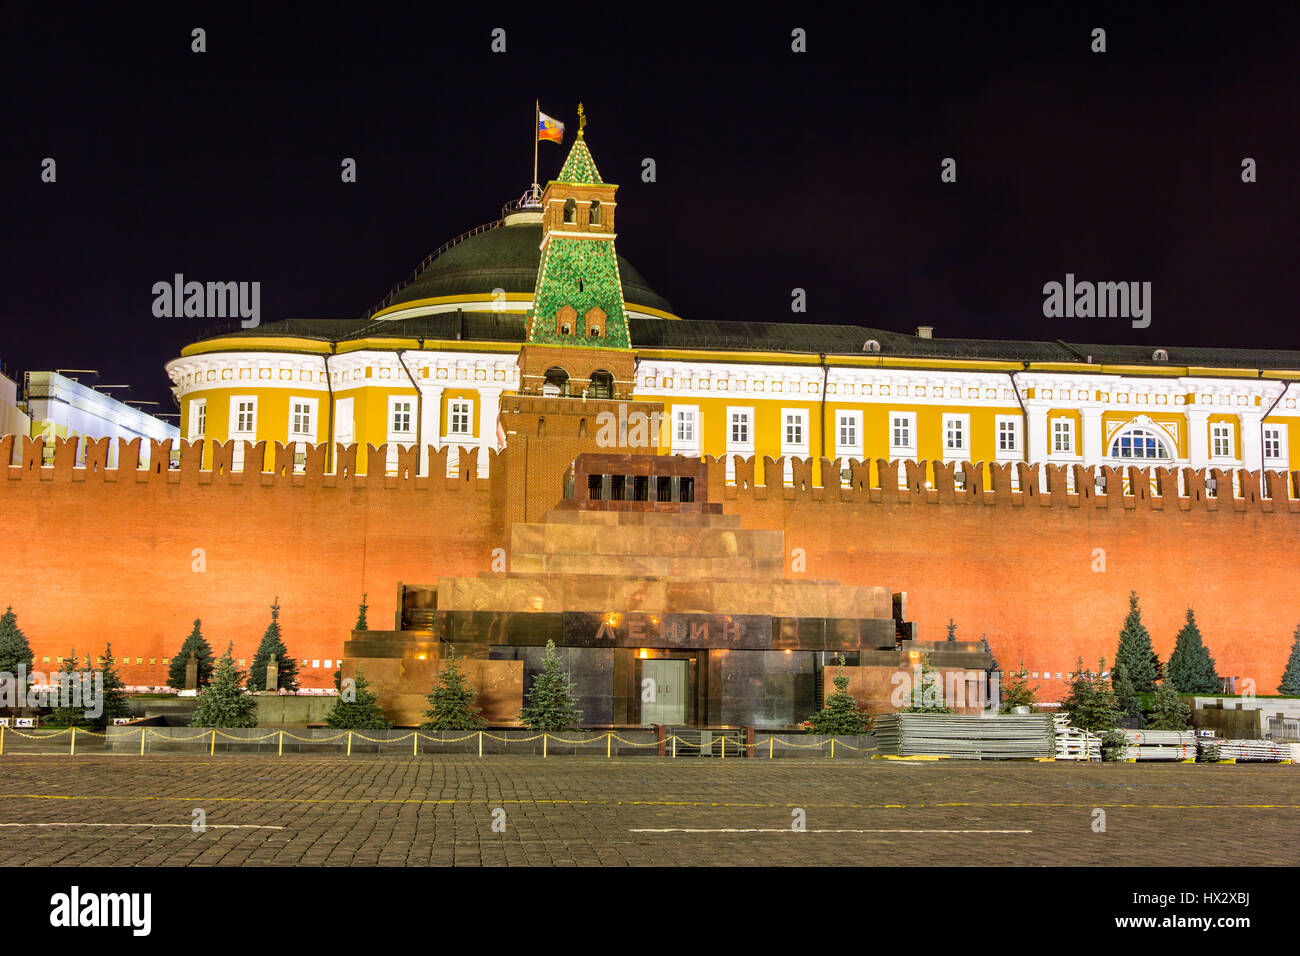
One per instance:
(197, 645)
(361, 624)
(1135, 651)
(1167, 711)
(1290, 685)
(16, 653)
(952, 629)
(840, 714)
(993, 661)
(362, 711)
(1091, 703)
(65, 714)
(1018, 692)
(223, 703)
(927, 698)
(551, 705)
(1125, 697)
(451, 702)
(273, 646)
(1190, 666)
(115, 704)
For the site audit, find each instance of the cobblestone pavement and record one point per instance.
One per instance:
(308, 811)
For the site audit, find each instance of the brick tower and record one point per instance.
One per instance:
(576, 367)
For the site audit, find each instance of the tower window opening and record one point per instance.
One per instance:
(593, 214)
(571, 210)
(602, 385)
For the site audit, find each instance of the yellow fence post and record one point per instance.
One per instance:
(543, 743)
(832, 748)
(73, 748)
(724, 746)
(771, 744)
(280, 749)
(609, 745)
(212, 750)
(415, 744)
(480, 743)
(674, 746)
(2, 739)
(142, 733)
(349, 743)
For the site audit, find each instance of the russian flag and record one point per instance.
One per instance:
(549, 129)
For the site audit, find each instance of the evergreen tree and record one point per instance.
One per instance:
(361, 624)
(1125, 697)
(1018, 692)
(928, 697)
(362, 712)
(1290, 685)
(197, 645)
(115, 704)
(1091, 703)
(451, 702)
(223, 703)
(16, 654)
(840, 713)
(1190, 666)
(952, 629)
(273, 646)
(1167, 711)
(65, 714)
(551, 705)
(1135, 651)
(993, 661)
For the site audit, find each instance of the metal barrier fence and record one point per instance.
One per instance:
(671, 745)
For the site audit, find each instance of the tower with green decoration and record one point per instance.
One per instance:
(577, 333)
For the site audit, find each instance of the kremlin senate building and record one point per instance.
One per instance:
(525, 442)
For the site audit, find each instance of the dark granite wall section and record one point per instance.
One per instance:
(766, 689)
(590, 668)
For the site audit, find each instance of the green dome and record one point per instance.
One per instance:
(506, 257)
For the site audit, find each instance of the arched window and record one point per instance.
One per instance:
(602, 385)
(556, 383)
(595, 320)
(593, 213)
(566, 319)
(1139, 443)
(571, 210)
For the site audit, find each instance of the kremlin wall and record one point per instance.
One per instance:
(132, 555)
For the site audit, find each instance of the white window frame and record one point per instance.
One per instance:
(1283, 457)
(198, 425)
(689, 441)
(458, 407)
(849, 449)
(1071, 449)
(399, 438)
(237, 435)
(897, 450)
(744, 448)
(1225, 432)
(311, 406)
(796, 418)
(962, 422)
(1017, 432)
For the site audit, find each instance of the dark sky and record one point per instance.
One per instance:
(775, 169)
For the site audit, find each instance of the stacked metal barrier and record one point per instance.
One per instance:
(1216, 748)
(1073, 743)
(1005, 737)
(1159, 745)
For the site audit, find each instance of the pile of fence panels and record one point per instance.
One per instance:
(1215, 748)
(1159, 745)
(1073, 743)
(1004, 737)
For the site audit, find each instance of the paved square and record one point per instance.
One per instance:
(335, 811)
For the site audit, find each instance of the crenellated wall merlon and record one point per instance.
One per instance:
(983, 484)
(318, 468)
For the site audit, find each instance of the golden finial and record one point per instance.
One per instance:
(582, 119)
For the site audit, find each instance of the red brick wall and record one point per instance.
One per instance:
(93, 555)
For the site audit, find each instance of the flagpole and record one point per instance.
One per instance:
(537, 119)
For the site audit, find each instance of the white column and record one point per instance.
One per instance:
(1198, 437)
(488, 413)
(430, 424)
(1092, 441)
(1036, 439)
(1252, 444)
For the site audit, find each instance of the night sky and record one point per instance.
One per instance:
(775, 169)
